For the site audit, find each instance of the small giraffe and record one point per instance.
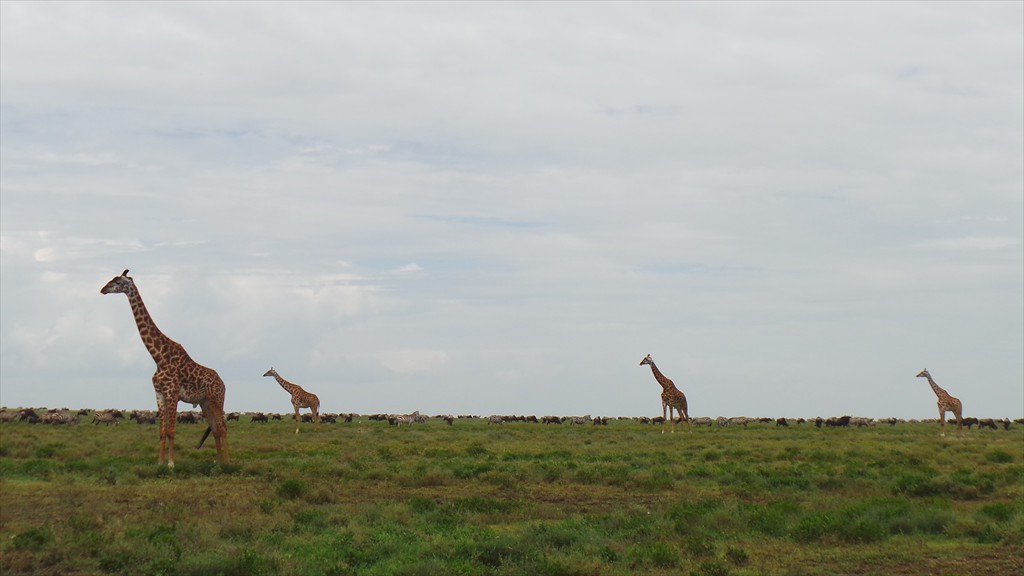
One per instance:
(671, 397)
(946, 402)
(178, 377)
(300, 398)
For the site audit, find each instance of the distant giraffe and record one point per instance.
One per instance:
(946, 402)
(178, 377)
(671, 397)
(300, 398)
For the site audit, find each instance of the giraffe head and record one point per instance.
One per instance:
(647, 360)
(270, 372)
(122, 284)
(923, 374)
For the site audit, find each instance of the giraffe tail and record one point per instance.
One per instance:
(205, 436)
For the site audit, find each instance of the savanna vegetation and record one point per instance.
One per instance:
(369, 498)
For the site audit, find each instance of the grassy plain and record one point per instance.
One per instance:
(368, 498)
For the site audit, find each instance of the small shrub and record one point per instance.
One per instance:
(47, 450)
(712, 568)
(310, 519)
(657, 554)
(476, 449)
(422, 505)
(862, 531)
(32, 540)
(1000, 511)
(700, 544)
(292, 488)
(911, 484)
(999, 457)
(737, 556)
(812, 527)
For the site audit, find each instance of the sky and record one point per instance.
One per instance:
(501, 208)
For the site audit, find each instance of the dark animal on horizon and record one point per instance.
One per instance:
(971, 421)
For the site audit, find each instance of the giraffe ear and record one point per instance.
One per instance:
(125, 273)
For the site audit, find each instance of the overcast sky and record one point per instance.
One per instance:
(501, 208)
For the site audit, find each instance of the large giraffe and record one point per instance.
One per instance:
(300, 398)
(946, 402)
(178, 377)
(671, 397)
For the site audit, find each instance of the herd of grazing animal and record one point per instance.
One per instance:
(178, 378)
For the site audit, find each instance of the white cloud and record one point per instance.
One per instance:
(413, 361)
(970, 243)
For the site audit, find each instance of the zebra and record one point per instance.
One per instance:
(104, 417)
(408, 419)
(580, 420)
(496, 420)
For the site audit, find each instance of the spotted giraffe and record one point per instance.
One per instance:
(671, 397)
(178, 377)
(300, 398)
(946, 403)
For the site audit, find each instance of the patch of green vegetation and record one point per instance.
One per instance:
(473, 499)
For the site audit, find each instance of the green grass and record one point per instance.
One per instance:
(367, 498)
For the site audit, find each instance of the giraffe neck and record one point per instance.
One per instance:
(661, 378)
(154, 340)
(288, 386)
(935, 387)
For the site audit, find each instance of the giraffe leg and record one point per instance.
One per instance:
(172, 420)
(163, 437)
(664, 407)
(297, 420)
(316, 417)
(942, 421)
(215, 420)
(161, 406)
(672, 418)
(220, 435)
